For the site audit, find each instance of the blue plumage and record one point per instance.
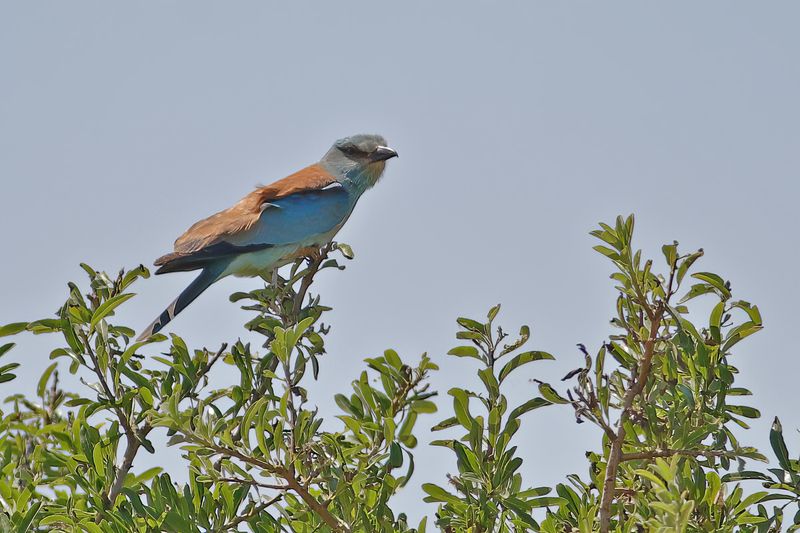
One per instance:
(301, 216)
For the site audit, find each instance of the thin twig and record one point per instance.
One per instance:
(206, 369)
(123, 420)
(653, 454)
(253, 482)
(255, 511)
(314, 263)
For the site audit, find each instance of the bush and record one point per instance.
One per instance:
(661, 390)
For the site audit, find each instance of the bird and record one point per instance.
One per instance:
(277, 223)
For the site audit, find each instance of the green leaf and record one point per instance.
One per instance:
(438, 494)
(5, 348)
(24, 524)
(687, 263)
(751, 310)
(470, 335)
(608, 252)
(530, 405)
(393, 359)
(461, 407)
(524, 335)
(12, 329)
(715, 281)
(146, 396)
(44, 379)
(489, 381)
(444, 424)
(738, 333)
(550, 393)
(99, 460)
(131, 275)
(521, 359)
(91, 527)
(108, 307)
(696, 290)
(395, 455)
(743, 410)
(423, 406)
(77, 402)
(149, 474)
(472, 325)
(465, 351)
(686, 392)
(130, 350)
(344, 404)
(47, 520)
(547, 501)
(745, 475)
(779, 445)
(346, 250)
(670, 252)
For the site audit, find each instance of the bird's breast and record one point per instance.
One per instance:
(253, 264)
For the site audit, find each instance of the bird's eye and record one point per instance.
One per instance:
(352, 150)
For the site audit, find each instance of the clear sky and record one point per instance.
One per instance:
(519, 125)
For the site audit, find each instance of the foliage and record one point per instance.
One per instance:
(489, 492)
(668, 392)
(257, 455)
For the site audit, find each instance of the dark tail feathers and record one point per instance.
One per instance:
(208, 276)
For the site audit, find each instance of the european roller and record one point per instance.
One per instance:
(275, 224)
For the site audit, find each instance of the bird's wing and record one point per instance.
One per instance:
(299, 217)
(289, 210)
(247, 211)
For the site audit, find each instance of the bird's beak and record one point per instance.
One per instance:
(382, 153)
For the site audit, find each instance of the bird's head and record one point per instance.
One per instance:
(359, 160)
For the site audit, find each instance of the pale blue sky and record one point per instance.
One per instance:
(519, 125)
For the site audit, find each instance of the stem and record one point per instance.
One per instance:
(124, 468)
(308, 279)
(312, 502)
(615, 455)
(133, 443)
(132, 447)
(290, 400)
(291, 483)
(123, 420)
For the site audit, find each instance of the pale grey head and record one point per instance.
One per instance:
(358, 160)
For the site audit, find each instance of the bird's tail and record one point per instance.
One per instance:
(208, 276)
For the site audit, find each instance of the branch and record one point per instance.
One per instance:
(315, 261)
(312, 502)
(124, 468)
(123, 420)
(253, 482)
(639, 294)
(653, 454)
(291, 483)
(255, 511)
(615, 455)
(133, 442)
(206, 369)
(133, 434)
